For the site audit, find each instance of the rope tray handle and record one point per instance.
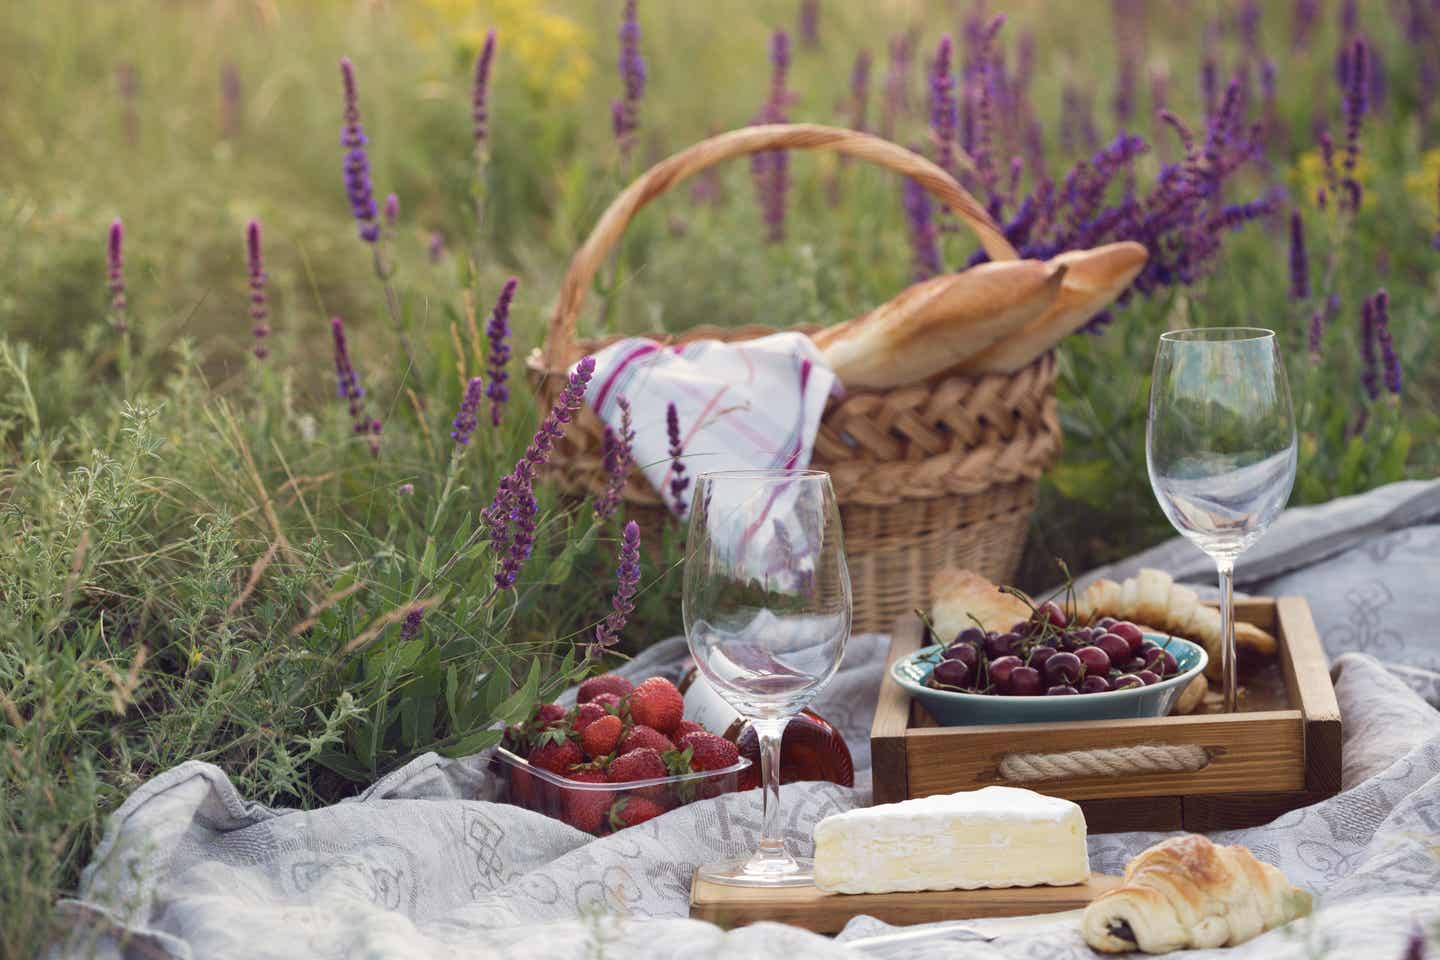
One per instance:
(561, 348)
(1104, 762)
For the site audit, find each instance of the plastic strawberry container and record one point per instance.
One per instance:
(601, 808)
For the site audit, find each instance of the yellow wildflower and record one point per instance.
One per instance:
(1424, 184)
(1308, 176)
(552, 51)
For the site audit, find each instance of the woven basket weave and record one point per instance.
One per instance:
(936, 473)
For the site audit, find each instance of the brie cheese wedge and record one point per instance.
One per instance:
(992, 837)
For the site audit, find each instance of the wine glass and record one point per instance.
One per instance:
(1220, 447)
(766, 606)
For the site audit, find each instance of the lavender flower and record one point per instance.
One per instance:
(1435, 240)
(115, 274)
(511, 515)
(809, 24)
(1320, 321)
(259, 307)
(392, 210)
(480, 97)
(618, 457)
(349, 389)
(627, 580)
(1299, 263)
(1349, 17)
(498, 331)
(860, 90)
(1355, 104)
(406, 489)
(1303, 20)
(410, 628)
(944, 114)
(1209, 82)
(897, 86)
(771, 169)
(625, 112)
(980, 83)
(919, 212)
(1124, 100)
(357, 161)
(1390, 362)
(1327, 163)
(1370, 371)
(1247, 25)
(231, 103)
(465, 420)
(436, 246)
(678, 481)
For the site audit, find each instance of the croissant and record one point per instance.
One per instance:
(1153, 599)
(1187, 892)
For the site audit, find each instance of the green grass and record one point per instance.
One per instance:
(191, 542)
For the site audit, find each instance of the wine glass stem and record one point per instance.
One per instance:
(1226, 567)
(772, 838)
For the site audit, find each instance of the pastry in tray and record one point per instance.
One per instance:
(1187, 892)
(1153, 599)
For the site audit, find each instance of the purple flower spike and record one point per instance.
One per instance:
(410, 628)
(944, 114)
(809, 25)
(1299, 263)
(1317, 334)
(498, 332)
(1357, 82)
(480, 95)
(511, 515)
(618, 457)
(1435, 241)
(919, 212)
(678, 481)
(860, 90)
(357, 161)
(1370, 369)
(465, 419)
(115, 273)
(436, 246)
(392, 210)
(771, 170)
(625, 112)
(1302, 22)
(1389, 360)
(349, 388)
(259, 307)
(627, 580)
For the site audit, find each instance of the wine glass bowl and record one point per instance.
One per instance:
(1220, 448)
(767, 607)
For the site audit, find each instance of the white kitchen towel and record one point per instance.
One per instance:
(753, 404)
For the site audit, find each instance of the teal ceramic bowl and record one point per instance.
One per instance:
(951, 708)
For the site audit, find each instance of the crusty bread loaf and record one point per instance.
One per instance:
(1093, 279)
(933, 326)
(961, 598)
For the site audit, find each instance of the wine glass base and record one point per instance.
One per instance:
(790, 872)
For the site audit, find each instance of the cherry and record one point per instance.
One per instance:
(1148, 677)
(1025, 682)
(1061, 690)
(1040, 654)
(965, 653)
(1115, 647)
(951, 673)
(1129, 632)
(1063, 668)
(1105, 623)
(1094, 684)
(1051, 610)
(970, 635)
(999, 645)
(1125, 681)
(1096, 660)
(1002, 668)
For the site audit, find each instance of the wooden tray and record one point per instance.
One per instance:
(1280, 752)
(829, 912)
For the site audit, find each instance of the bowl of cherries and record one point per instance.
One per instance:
(1048, 669)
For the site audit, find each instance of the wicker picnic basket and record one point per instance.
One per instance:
(935, 473)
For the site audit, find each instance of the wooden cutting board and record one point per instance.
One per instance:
(807, 907)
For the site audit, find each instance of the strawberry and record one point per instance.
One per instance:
(522, 787)
(586, 714)
(600, 738)
(656, 703)
(586, 809)
(709, 752)
(643, 736)
(554, 755)
(605, 683)
(686, 727)
(630, 811)
(547, 714)
(640, 764)
(610, 703)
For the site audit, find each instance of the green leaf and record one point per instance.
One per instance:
(452, 695)
(472, 743)
(344, 764)
(427, 560)
(517, 706)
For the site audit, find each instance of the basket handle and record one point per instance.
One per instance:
(560, 345)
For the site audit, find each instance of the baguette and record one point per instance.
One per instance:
(963, 597)
(932, 326)
(1093, 279)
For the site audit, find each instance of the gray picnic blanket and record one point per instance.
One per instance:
(423, 865)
